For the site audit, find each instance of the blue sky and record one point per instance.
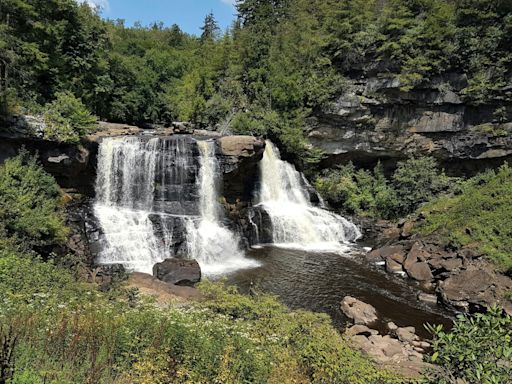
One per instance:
(188, 14)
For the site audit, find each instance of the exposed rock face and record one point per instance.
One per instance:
(376, 120)
(239, 157)
(459, 278)
(474, 287)
(178, 271)
(358, 311)
(72, 165)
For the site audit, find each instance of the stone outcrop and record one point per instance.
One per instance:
(72, 165)
(461, 279)
(178, 271)
(239, 157)
(375, 119)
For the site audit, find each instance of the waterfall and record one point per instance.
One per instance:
(295, 221)
(156, 199)
(124, 198)
(215, 247)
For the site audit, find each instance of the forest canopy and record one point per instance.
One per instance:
(278, 63)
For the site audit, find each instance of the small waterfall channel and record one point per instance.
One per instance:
(157, 198)
(295, 221)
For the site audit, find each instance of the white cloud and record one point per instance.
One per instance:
(102, 5)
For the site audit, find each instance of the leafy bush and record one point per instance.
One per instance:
(67, 119)
(30, 204)
(367, 193)
(417, 181)
(285, 129)
(480, 215)
(478, 349)
(357, 191)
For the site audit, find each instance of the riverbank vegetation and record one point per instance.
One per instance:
(478, 215)
(277, 64)
(372, 194)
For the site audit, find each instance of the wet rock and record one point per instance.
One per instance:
(358, 311)
(394, 251)
(451, 264)
(427, 298)
(416, 254)
(470, 287)
(419, 271)
(374, 256)
(178, 271)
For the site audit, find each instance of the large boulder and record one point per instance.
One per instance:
(240, 146)
(358, 311)
(419, 271)
(476, 288)
(178, 271)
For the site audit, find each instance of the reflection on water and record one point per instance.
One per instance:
(319, 281)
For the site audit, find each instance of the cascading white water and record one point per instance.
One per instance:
(124, 197)
(215, 247)
(145, 189)
(295, 221)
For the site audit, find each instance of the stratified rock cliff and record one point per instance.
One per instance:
(376, 120)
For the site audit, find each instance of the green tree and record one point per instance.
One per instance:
(31, 213)
(67, 119)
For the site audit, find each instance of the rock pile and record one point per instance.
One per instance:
(459, 278)
(400, 348)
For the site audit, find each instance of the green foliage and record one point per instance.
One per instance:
(366, 193)
(68, 332)
(479, 215)
(478, 349)
(417, 181)
(30, 205)
(279, 62)
(67, 119)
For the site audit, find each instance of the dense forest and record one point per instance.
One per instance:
(279, 62)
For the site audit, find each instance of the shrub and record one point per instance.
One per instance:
(478, 349)
(367, 193)
(30, 204)
(479, 215)
(417, 181)
(67, 119)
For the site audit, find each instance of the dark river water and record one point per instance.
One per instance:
(319, 281)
